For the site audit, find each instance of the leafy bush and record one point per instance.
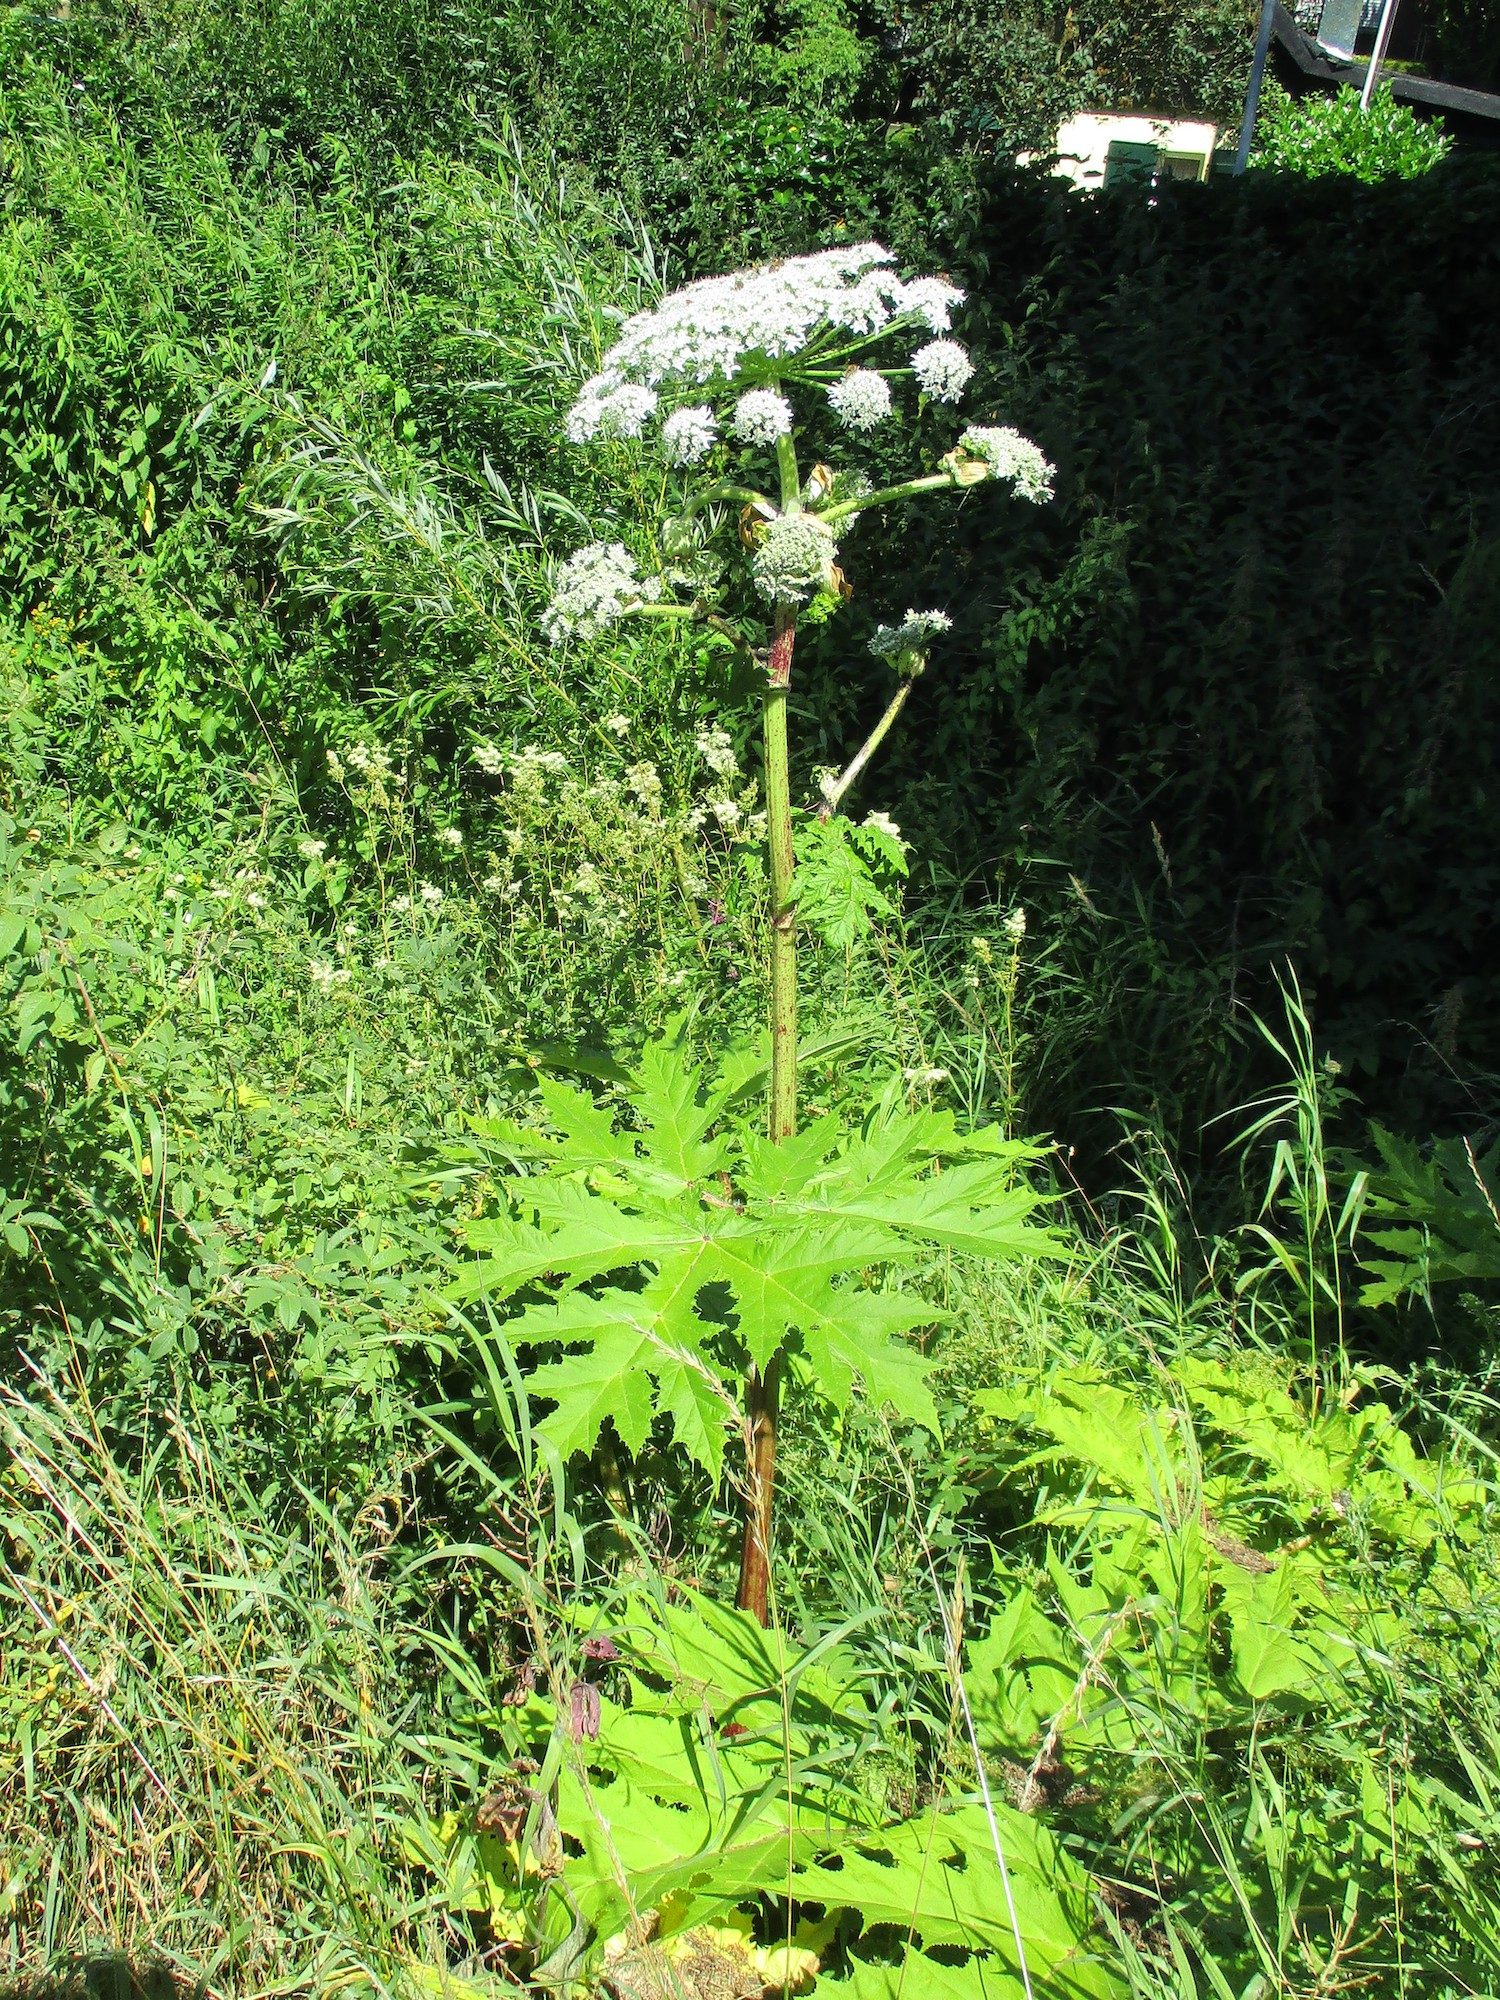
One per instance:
(1317, 135)
(1236, 1593)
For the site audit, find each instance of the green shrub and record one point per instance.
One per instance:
(1317, 135)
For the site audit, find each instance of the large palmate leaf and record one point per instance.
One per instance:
(716, 1775)
(718, 1783)
(721, 1250)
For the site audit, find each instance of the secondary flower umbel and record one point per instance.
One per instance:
(861, 399)
(596, 587)
(910, 636)
(1011, 457)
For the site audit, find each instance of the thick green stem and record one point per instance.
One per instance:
(783, 1105)
(834, 797)
(971, 473)
(712, 495)
(762, 1388)
(791, 479)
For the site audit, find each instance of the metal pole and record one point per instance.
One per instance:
(1257, 77)
(1377, 54)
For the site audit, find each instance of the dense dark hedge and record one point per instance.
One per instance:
(1246, 672)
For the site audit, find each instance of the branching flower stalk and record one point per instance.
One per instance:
(715, 368)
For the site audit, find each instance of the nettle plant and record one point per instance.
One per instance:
(733, 1254)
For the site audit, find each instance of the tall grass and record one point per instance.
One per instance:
(215, 1734)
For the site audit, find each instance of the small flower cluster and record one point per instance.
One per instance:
(597, 586)
(881, 822)
(730, 802)
(688, 434)
(716, 748)
(428, 897)
(794, 558)
(761, 416)
(861, 400)
(912, 635)
(1010, 456)
(943, 370)
(368, 760)
(617, 410)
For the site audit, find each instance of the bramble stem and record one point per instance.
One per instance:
(762, 1388)
(833, 798)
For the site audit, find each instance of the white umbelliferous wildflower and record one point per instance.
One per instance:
(596, 586)
(795, 558)
(761, 416)
(644, 781)
(609, 410)
(552, 762)
(942, 369)
(707, 330)
(880, 822)
(688, 435)
(1015, 925)
(325, 977)
(861, 399)
(430, 894)
(489, 760)
(312, 850)
(617, 725)
(1012, 457)
(925, 1076)
(728, 812)
(932, 300)
(910, 636)
(716, 748)
(451, 836)
(335, 767)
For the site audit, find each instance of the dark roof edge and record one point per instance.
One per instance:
(1320, 68)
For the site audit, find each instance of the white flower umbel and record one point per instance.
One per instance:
(688, 435)
(761, 416)
(596, 586)
(705, 331)
(794, 559)
(910, 636)
(861, 399)
(1012, 457)
(942, 369)
(881, 822)
(609, 409)
(932, 300)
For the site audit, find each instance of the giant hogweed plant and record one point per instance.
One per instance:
(731, 1255)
